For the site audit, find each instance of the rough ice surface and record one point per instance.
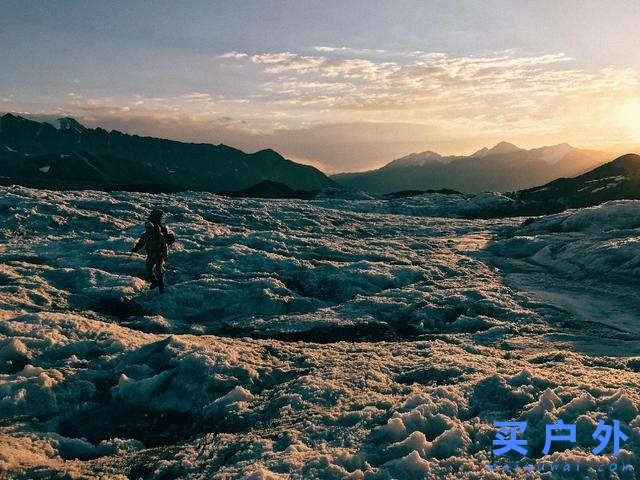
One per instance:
(328, 339)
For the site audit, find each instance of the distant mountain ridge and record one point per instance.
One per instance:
(67, 155)
(505, 167)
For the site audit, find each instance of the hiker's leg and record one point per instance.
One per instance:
(160, 273)
(151, 276)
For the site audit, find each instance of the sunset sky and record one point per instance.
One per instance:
(343, 85)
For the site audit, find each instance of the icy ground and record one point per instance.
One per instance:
(332, 339)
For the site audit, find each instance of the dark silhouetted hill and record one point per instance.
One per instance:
(616, 180)
(269, 189)
(415, 193)
(66, 155)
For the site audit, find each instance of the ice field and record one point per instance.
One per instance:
(325, 339)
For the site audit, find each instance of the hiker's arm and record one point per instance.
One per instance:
(140, 243)
(168, 235)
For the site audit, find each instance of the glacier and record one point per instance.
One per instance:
(327, 339)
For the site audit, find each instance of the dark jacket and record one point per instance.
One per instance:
(154, 241)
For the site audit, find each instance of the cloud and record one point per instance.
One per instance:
(197, 96)
(234, 55)
(340, 110)
(332, 49)
(485, 94)
(350, 50)
(204, 100)
(289, 62)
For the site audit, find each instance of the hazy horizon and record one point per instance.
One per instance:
(341, 87)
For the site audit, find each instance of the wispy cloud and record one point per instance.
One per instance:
(349, 50)
(381, 105)
(234, 54)
(493, 93)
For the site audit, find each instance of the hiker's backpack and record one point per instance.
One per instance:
(156, 242)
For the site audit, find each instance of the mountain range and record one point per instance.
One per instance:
(505, 167)
(66, 155)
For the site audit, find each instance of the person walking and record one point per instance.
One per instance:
(155, 240)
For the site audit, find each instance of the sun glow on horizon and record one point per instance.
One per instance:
(628, 116)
